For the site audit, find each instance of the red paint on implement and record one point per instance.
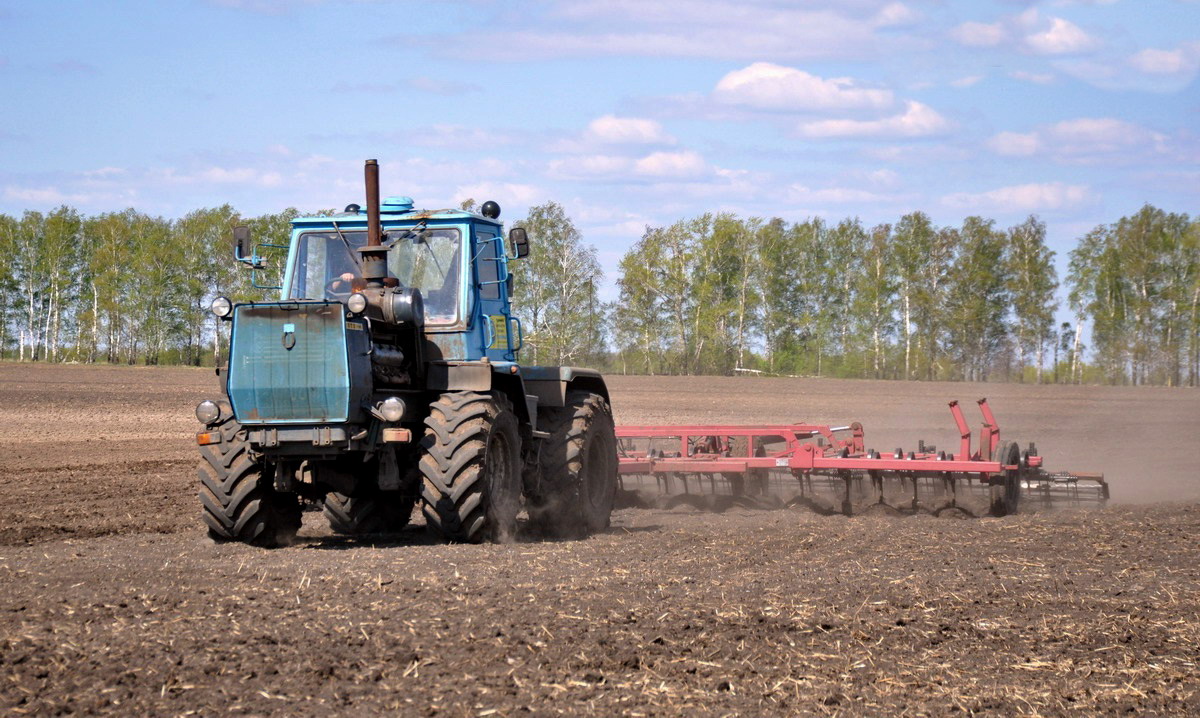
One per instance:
(840, 453)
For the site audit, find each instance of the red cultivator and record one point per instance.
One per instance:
(829, 469)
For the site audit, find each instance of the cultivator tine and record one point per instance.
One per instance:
(798, 464)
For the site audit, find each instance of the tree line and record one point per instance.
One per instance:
(723, 294)
(120, 287)
(713, 294)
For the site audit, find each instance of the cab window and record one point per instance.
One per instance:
(327, 267)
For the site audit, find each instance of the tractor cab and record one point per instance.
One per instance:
(456, 259)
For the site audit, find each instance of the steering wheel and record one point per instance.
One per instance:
(340, 286)
(337, 286)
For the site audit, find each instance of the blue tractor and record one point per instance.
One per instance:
(387, 374)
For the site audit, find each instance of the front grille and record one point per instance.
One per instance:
(288, 363)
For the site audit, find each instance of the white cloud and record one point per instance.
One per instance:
(726, 29)
(979, 34)
(630, 229)
(884, 177)
(671, 164)
(264, 181)
(683, 164)
(501, 192)
(590, 166)
(1014, 144)
(235, 175)
(920, 154)
(766, 86)
(967, 81)
(1085, 139)
(1039, 34)
(1037, 78)
(1023, 198)
(104, 172)
(43, 196)
(611, 129)
(895, 13)
(1183, 60)
(1061, 38)
(460, 136)
(605, 135)
(918, 120)
(446, 88)
(1104, 134)
(800, 194)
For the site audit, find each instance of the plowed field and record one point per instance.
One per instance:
(113, 601)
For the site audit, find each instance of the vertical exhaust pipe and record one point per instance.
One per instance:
(374, 258)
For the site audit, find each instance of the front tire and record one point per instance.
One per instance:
(471, 468)
(238, 499)
(578, 468)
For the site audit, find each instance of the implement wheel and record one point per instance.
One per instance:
(239, 502)
(471, 469)
(1006, 486)
(578, 468)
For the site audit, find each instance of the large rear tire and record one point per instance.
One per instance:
(238, 499)
(578, 468)
(471, 468)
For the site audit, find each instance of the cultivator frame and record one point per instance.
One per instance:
(754, 464)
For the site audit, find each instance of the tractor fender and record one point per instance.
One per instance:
(527, 387)
(483, 377)
(550, 384)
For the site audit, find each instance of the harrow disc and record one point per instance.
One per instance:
(1006, 486)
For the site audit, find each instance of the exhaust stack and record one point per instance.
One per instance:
(374, 257)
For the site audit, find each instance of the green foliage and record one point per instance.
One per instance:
(977, 299)
(121, 286)
(1031, 284)
(717, 294)
(713, 294)
(1138, 280)
(556, 291)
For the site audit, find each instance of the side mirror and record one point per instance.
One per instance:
(241, 235)
(519, 239)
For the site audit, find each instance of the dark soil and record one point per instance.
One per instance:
(112, 600)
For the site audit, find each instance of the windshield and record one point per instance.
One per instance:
(327, 267)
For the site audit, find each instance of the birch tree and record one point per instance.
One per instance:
(977, 298)
(8, 278)
(1032, 283)
(913, 242)
(875, 299)
(556, 289)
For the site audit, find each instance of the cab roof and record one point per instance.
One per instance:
(394, 209)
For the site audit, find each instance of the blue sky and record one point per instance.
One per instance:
(628, 113)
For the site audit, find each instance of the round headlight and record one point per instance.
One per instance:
(392, 408)
(356, 303)
(222, 307)
(207, 412)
